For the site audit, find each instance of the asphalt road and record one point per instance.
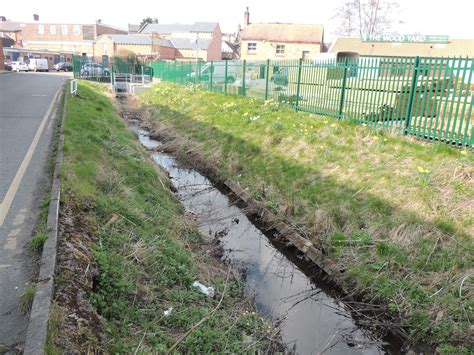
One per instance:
(27, 121)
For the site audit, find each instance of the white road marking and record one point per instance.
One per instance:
(14, 232)
(7, 201)
(19, 219)
(11, 244)
(39, 95)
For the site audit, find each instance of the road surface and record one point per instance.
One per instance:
(28, 110)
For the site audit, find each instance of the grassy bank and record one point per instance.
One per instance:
(395, 214)
(127, 252)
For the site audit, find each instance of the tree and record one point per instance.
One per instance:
(365, 17)
(145, 21)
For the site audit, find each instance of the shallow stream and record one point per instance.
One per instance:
(286, 288)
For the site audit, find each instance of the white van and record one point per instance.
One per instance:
(38, 64)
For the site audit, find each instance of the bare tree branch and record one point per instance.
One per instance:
(365, 17)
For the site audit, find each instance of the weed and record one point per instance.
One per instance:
(37, 242)
(26, 299)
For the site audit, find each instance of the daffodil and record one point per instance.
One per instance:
(422, 170)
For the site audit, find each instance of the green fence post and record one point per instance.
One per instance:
(244, 64)
(414, 83)
(112, 76)
(267, 74)
(211, 78)
(298, 84)
(343, 88)
(225, 77)
(143, 77)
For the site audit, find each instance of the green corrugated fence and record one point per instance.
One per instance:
(430, 98)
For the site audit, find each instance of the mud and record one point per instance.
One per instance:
(80, 325)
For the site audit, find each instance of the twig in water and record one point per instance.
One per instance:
(328, 344)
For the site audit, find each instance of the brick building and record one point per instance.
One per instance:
(77, 38)
(10, 32)
(280, 41)
(201, 39)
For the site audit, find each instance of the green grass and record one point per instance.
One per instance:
(37, 242)
(396, 214)
(147, 253)
(26, 299)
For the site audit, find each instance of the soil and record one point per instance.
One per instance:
(80, 325)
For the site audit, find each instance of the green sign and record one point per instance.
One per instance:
(406, 38)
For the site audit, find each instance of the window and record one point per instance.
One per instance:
(280, 49)
(104, 48)
(64, 29)
(251, 47)
(77, 30)
(52, 29)
(305, 55)
(41, 29)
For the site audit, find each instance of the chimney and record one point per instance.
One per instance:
(36, 17)
(3, 19)
(246, 17)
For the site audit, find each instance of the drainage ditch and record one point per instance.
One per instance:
(286, 288)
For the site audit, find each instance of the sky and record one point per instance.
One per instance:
(432, 17)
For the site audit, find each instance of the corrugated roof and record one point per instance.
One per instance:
(454, 48)
(163, 43)
(130, 39)
(132, 29)
(187, 43)
(174, 28)
(11, 26)
(284, 32)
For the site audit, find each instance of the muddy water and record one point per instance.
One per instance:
(286, 289)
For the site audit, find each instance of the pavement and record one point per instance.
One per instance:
(28, 104)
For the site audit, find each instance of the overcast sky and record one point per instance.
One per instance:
(435, 17)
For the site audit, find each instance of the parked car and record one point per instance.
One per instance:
(64, 66)
(19, 66)
(38, 64)
(94, 69)
(8, 65)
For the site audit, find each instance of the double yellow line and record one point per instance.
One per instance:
(12, 190)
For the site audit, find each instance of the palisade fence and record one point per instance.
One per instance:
(430, 98)
(103, 71)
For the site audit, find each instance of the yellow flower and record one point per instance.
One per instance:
(464, 152)
(375, 138)
(333, 125)
(321, 146)
(385, 139)
(422, 170)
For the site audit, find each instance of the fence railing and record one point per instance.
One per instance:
(103, 71)
(430, 98)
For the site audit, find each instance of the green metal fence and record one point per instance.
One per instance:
(430, 98)
(99, 69)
